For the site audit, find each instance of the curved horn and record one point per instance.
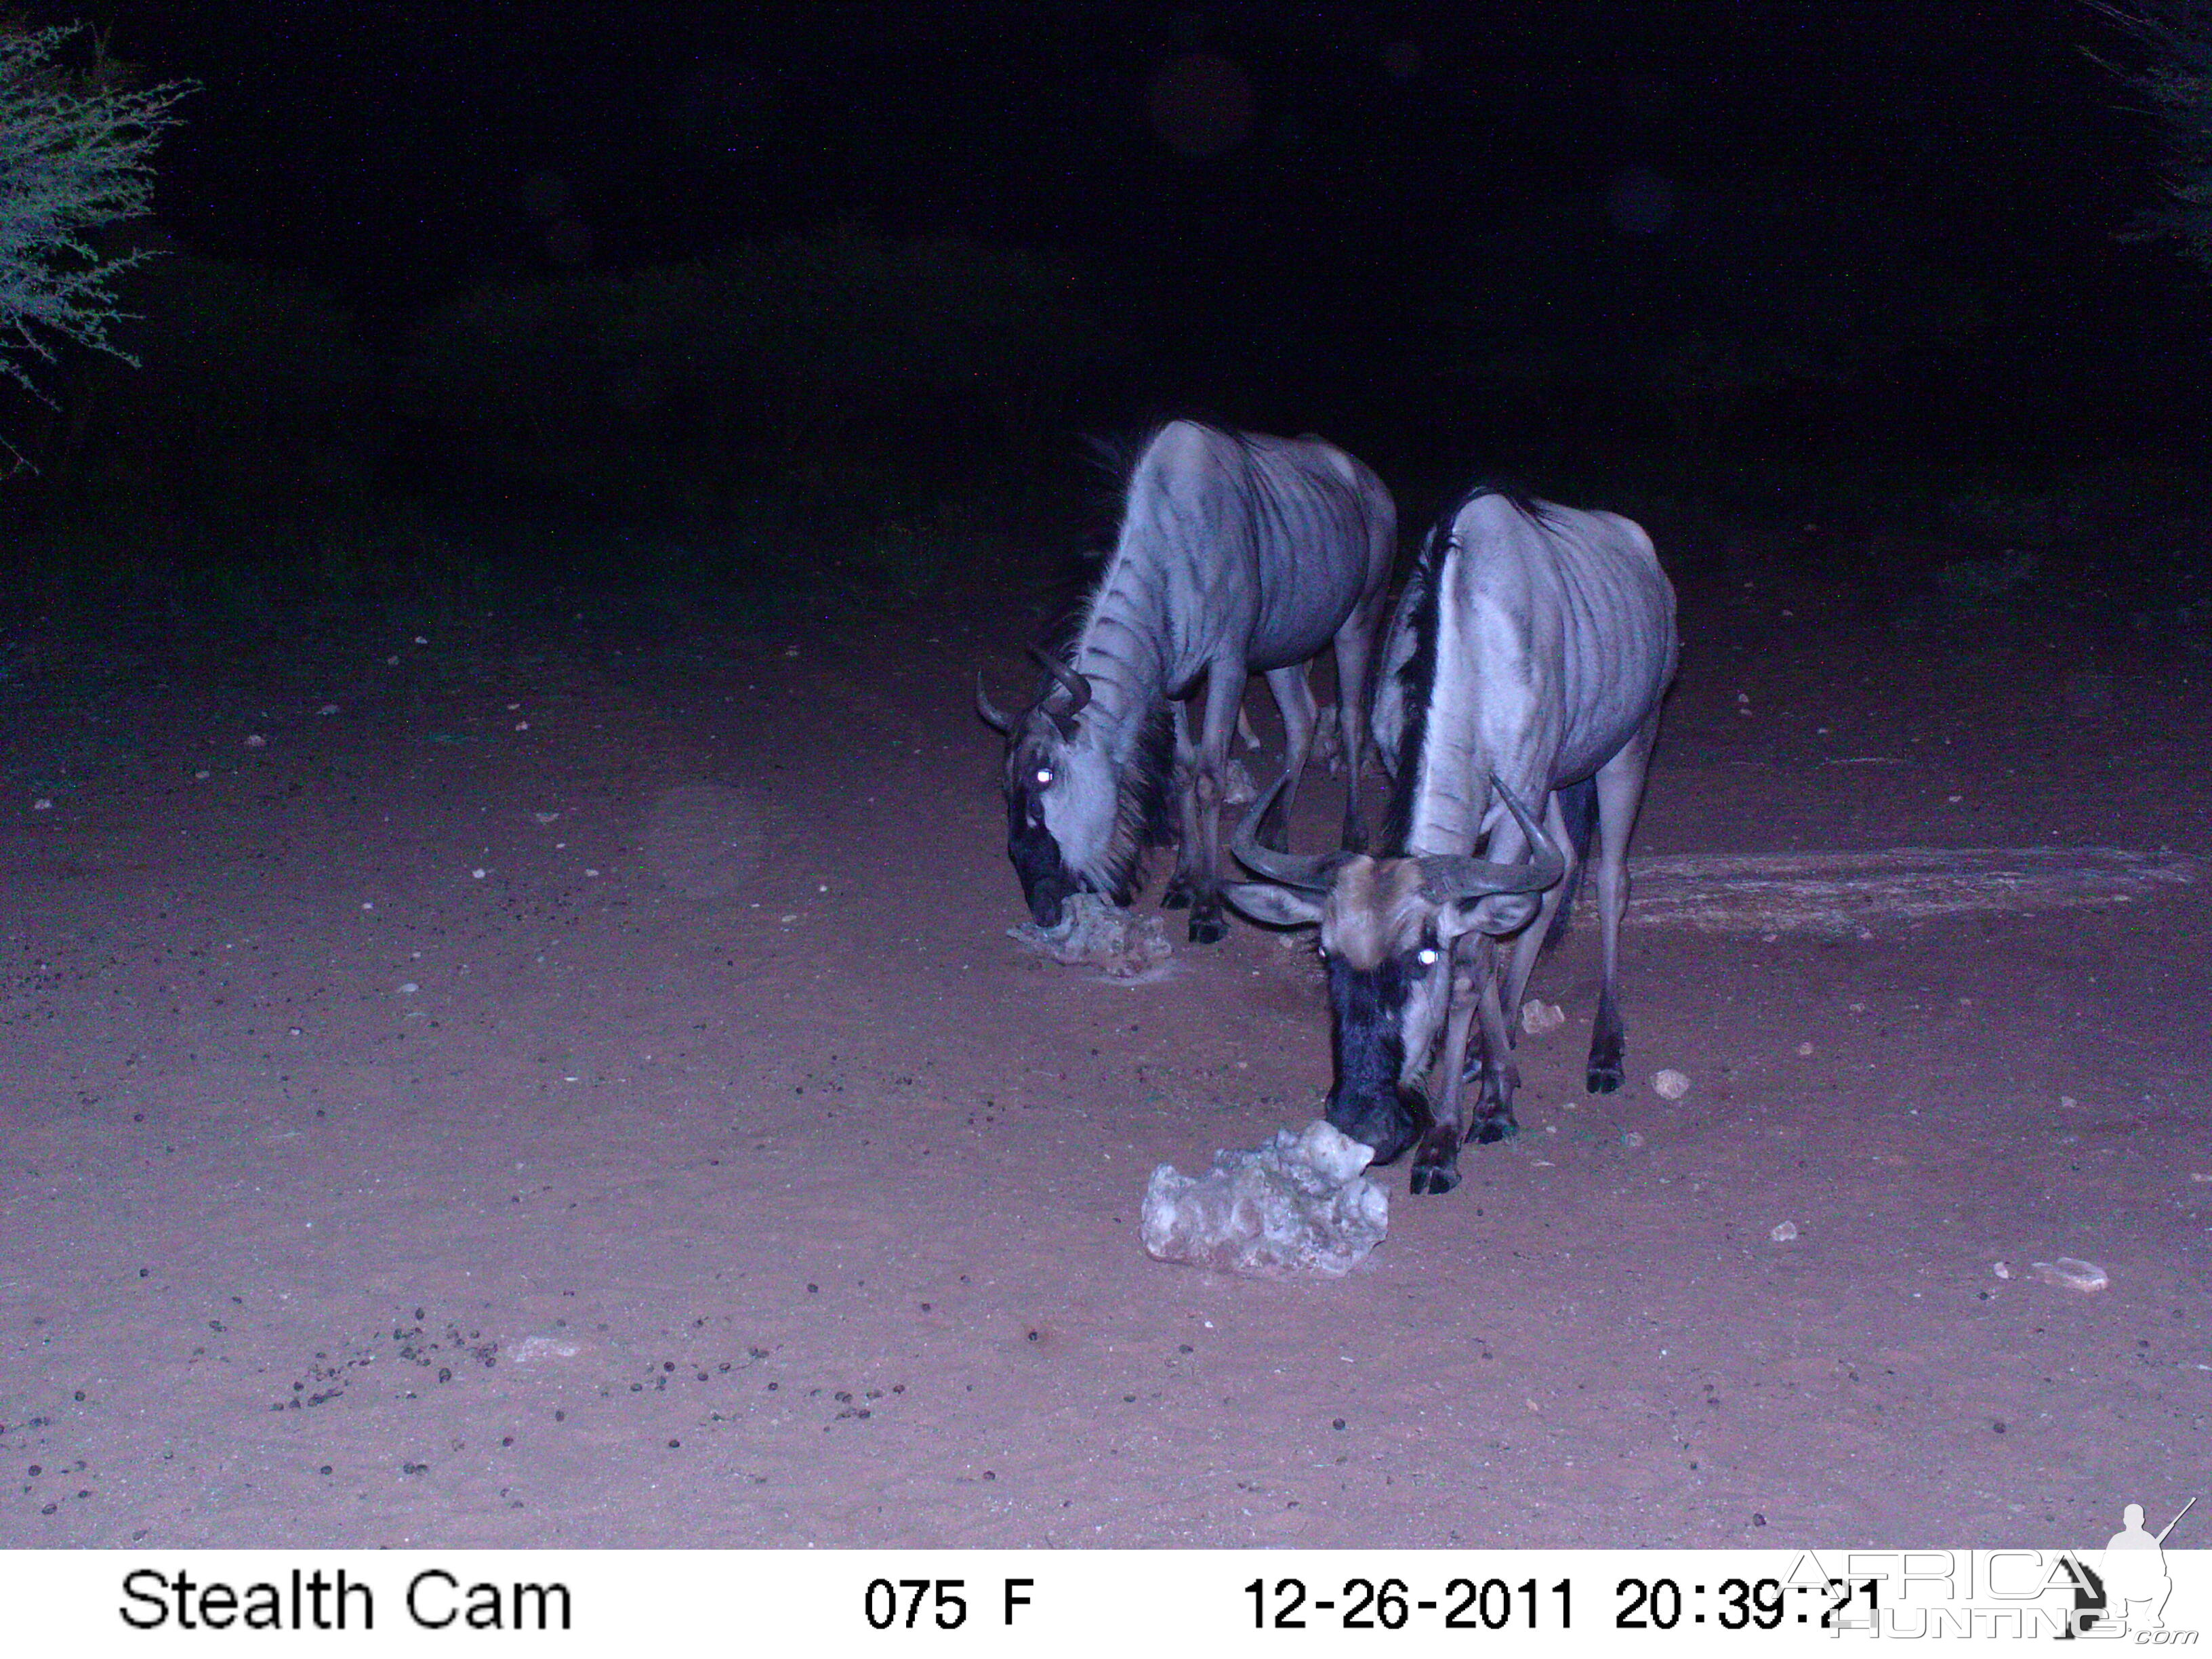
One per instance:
(1078, 687)
(1307, 872)
(1446, 878)
(994, 717)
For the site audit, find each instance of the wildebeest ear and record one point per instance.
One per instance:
(1278, 907)
(1499, 915)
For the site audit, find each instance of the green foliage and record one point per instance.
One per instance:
(800, 356)
(73, 159)
(255, 388)
(2180, 82)
(1755, 286)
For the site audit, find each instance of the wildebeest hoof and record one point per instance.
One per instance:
(1602, 1079)
(1207, 930)
(1434, 1178)
(1493, 1130)
(1175, 896)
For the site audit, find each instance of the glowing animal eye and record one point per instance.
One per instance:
(1044, 774)
(1426, 959)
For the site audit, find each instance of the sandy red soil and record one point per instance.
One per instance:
(552, 1094)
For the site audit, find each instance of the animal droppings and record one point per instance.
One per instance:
(1095, 933)
(2069, 1273)
(1538, 1016)
(1300, 1203)
(1669, 1085)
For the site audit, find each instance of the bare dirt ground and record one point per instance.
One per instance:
(534, 1094)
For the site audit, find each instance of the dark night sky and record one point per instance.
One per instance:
(392, 151)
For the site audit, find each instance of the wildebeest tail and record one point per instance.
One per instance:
(1578, 806)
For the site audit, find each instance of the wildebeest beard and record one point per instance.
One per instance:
(1366, 1100)
(1143, 817)
(1046, 882)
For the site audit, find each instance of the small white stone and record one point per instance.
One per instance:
(1632, 1138)
(1669, 1085)
(42, 805)
(2001, 1269)
(2072, 1274)
(532, 1350)
(1782, 1231)
(1538, 1016)
(478, 874)
(328, 708)
(1804, 1049)
(256, 741)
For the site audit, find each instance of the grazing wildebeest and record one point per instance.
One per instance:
(1532, 650)
(1237, 554)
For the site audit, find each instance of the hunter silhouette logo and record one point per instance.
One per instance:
(2128, 1589)
(2135, 1570)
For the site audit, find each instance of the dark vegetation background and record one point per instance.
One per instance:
(509, 307)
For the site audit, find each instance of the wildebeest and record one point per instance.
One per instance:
(1531, 652)
(1236, 554)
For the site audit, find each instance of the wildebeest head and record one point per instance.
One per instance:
(1389, 927)
(1060, 794)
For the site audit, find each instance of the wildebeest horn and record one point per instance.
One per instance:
(1078, 687)
(993, 716)
(1445, 878)
(1307, 872)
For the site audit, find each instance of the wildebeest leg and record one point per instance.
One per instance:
(1619, 790)
(1225, 690)
(1531, 942)
(1435, 1161)
(1176, 896)
(1353, 642)
(1294, 697)
(1499, 1077)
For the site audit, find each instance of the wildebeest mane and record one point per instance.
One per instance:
(1418, 677)
(1145, 815)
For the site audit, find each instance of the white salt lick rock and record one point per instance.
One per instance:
(1299, 1204)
